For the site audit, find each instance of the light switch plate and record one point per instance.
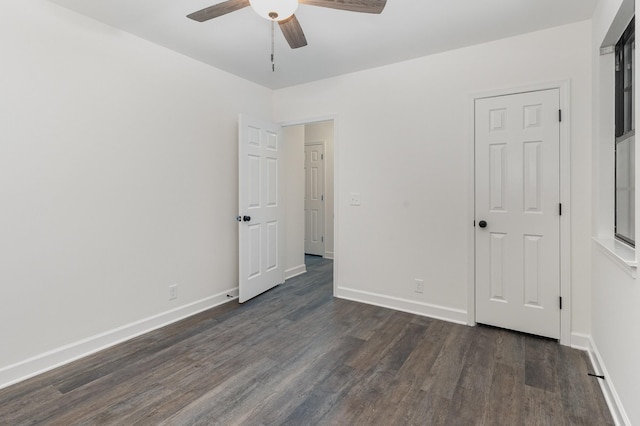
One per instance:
(355, 199)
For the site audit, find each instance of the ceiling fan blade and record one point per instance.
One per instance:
(293, 32)
(218, 10)
(365, 6)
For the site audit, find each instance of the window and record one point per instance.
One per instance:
(625, 137)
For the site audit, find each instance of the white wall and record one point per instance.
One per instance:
(404, 144)
(323, 131)
(117, 167)
(294, 137)
(615, 341)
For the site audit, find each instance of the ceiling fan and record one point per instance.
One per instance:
(282, 12)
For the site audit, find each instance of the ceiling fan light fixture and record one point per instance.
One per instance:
(274, 10)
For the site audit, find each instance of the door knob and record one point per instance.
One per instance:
(246, 218)
(482, 224)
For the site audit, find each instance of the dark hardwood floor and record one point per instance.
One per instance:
(297, 356)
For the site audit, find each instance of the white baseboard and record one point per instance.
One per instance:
(295, 271)
(444, 313)
(328, 255)
(585, 342)
(580, 341)
(60, 356)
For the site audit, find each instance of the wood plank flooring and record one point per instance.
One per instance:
(297, 356)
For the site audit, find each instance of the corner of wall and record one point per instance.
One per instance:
(586, 343)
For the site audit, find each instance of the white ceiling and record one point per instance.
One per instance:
(340, 42)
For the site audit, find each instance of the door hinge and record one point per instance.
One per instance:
(474, 223)
(560, 302)
(560, 209)
(322, 239)
(322, 156)
(560, 115)
(322, 198)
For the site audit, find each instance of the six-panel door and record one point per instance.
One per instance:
(517, 152)
(261, 209)
(314, 199)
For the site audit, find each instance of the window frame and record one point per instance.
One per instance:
(624, 129)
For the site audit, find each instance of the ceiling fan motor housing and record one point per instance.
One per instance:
(274, 9)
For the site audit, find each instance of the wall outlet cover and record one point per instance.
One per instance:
(173, 291)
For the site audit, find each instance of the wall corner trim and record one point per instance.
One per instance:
(444, 313)
(585, 342)
(58, 357)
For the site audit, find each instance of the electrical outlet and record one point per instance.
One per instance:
(173, 291)
(419, 286)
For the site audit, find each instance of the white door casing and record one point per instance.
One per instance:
(314, 199)
(261, 208)
(517, 192)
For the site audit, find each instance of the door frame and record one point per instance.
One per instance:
(336, 173)
(324, 191)
(564, 87)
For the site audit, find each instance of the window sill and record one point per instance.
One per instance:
(621, 254)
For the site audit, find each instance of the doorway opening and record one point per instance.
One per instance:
(309, 197)
(314, 202)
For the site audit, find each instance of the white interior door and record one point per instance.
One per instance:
(517, 153)
(314, 199)
(261, 210)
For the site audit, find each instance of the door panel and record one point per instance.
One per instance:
(261, 210)
(532, 285)
(272, 246)
(497, 267)
(517, 153)
(314, 199)
(498, 175)
(254, 249)
(532, 176)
